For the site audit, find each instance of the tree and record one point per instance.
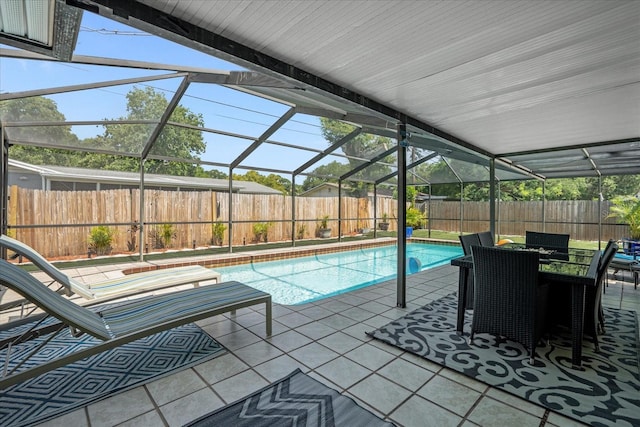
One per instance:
(147, 104)
(38, 109)
(325, 174)
(363, 146)
(272, 180)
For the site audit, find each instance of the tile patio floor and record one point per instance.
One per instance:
(327, 340)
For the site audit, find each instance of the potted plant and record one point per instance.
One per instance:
(415, 219)
(323, 228)
(133, 231)
(301, 231)
(260, 231)
(167, 233)
(384, 225)
(627, 210)
(217, 233)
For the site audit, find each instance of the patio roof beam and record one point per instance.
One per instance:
(369, 163)
(410, 166)
(263, 169)
(593, 164)
(240, 78)
(329, 150)
(40, 144)
(272, 129)
(165, 117)
(109, 62)
(360, 119)
(172, 28)
(79, 123)
(75, 88)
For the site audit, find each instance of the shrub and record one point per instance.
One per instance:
(627, 210)
(415, 218)
(260, 231)
(217, 233)
(100, 239)
(162, 236)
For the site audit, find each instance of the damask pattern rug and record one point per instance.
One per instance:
(605, 393)
(65, 389)
(295, 400)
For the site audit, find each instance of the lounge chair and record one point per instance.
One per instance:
(120, 287)
(115, 324)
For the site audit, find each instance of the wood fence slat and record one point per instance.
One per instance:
(192, 212)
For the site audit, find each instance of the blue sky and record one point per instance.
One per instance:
(222, 108)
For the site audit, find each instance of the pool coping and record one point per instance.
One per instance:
(232, 259)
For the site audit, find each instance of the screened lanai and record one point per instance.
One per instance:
(253, 100)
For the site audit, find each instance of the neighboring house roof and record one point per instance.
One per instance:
(382, 192)
(63, 173)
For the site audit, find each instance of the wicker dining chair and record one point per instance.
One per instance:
(486, 238)
(593, 313)
(466, 242)
(549, 241)
(508, 299)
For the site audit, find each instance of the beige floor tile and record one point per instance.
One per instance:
(370, 356)
(238, 386)
(380, 393)
(340, 342)
(257, 353)
(406, 374)
(175, 386)
(221, 368)
(490, 412)
(190, 407)
(313, 355)
(449, 394)
(343, 372)
(149, 419)
(289, 340)
(279, 367)
(120, 407)
(419, 412)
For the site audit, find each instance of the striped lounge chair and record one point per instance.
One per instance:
(120, 287)
(112, 325)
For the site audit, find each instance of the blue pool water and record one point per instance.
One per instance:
(299, 280)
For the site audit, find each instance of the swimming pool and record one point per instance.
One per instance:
(305, 279)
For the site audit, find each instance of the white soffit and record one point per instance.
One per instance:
(504, 76)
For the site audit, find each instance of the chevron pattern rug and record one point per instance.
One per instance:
(605, 393)
(295, 400)
(96, 377)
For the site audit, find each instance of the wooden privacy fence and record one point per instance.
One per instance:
(578, 218)
(58, 223)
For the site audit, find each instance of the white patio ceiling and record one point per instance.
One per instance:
(549, 87)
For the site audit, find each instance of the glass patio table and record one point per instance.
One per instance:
(577, 268)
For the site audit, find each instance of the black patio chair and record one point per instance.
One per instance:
(486, 239)
(466, 242)
(558, 244)
(593, 313)
(508, 299)
(549, 241)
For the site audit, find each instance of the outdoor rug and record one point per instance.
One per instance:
(85, 381)
(606, 392)
(295, 400)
